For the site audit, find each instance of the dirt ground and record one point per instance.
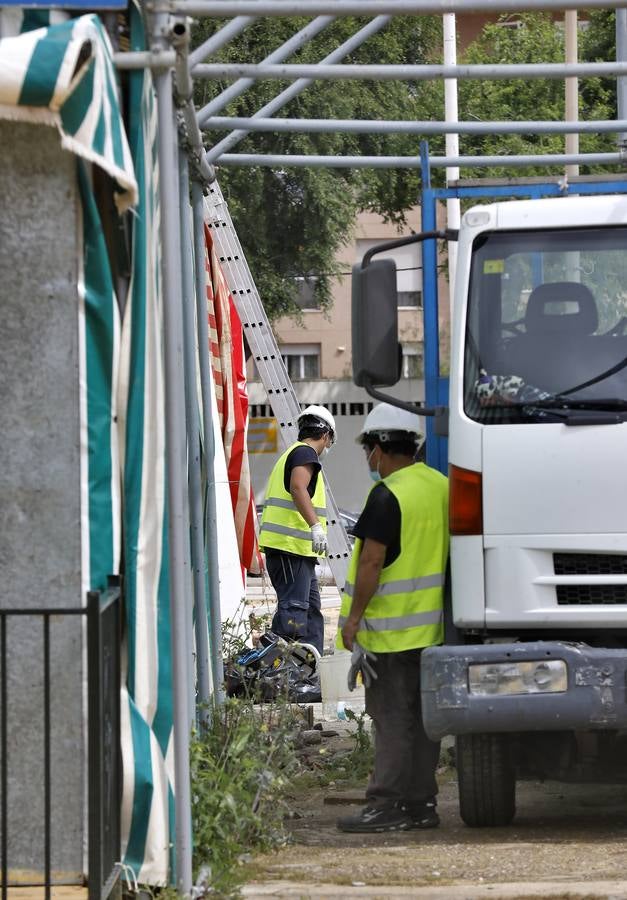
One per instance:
(567, 841)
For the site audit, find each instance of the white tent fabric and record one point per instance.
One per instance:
(232, 590)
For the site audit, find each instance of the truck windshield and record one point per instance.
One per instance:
(547, 325)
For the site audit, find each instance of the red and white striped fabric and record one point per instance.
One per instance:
(226, 340)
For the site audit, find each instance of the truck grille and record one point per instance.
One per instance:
(581, 594)
(590, 564)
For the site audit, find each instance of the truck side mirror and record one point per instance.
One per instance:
(376, 350)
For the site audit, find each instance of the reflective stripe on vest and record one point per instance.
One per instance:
(284, 529)
(405, 612)
(282, 526)
(434, 617)
(289, 504)
(405, 586)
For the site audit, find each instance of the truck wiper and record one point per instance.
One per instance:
(561, 402)
(604, 411)
(551, 407)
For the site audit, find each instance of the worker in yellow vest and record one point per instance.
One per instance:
(391, 609)
(293, 528)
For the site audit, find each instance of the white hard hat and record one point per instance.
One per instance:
(321, 413)
(391, 423)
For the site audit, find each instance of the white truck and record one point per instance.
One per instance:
(532, 678)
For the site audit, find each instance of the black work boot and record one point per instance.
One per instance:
(424, 816)
(374, 819)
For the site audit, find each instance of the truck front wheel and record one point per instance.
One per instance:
(487, 780)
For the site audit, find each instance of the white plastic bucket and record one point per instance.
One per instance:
(334, 688)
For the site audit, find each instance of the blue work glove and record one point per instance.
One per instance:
(362, 661)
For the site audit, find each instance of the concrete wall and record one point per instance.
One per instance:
(39, 490)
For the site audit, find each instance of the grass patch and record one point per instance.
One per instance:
(241, 771)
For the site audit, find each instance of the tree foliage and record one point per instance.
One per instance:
(536, 40)
(292, 221)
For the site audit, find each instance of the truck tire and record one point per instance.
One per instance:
(486, 779)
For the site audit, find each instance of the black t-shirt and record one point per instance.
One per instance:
(380, 521)
(303, 455)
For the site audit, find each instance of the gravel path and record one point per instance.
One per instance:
(566, 841)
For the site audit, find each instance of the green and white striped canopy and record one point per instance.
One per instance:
(64, 76)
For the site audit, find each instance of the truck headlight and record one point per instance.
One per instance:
(545, 676)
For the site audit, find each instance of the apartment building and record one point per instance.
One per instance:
(317, 352)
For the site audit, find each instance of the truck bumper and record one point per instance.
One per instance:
(595, 696)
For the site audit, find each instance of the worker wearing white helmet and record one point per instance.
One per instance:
(293, 528)
(391, 609)
(389, 422)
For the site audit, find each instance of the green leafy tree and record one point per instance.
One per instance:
(536, 40)
(292, 221)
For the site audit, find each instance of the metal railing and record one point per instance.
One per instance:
(103, 616)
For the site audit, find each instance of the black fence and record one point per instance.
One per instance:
(104, 766)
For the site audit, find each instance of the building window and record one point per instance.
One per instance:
(306, 292)
(408, 261)
(411, 366)
(411, 299)
(302, 361)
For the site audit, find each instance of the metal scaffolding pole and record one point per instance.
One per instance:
(201, 625)
(220, 38)
(175, 465)
(294, 43)
(413, 162)
(381, 72)
(402, 126)
(215, 621)
(372, 7)
(621, 56)
(185, 100)
(451, 112)
(144, 59)
(299, 86)
(571, 87)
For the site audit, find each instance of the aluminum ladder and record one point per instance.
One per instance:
(265, 351)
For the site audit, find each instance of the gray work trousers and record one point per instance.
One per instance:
(405, 758)
(298, 616)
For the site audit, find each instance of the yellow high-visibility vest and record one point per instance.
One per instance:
(282, 526)
(406, 611)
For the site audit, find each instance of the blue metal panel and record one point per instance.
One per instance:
(530, 191)
(436, 447)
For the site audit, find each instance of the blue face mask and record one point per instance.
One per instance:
(374, 473)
